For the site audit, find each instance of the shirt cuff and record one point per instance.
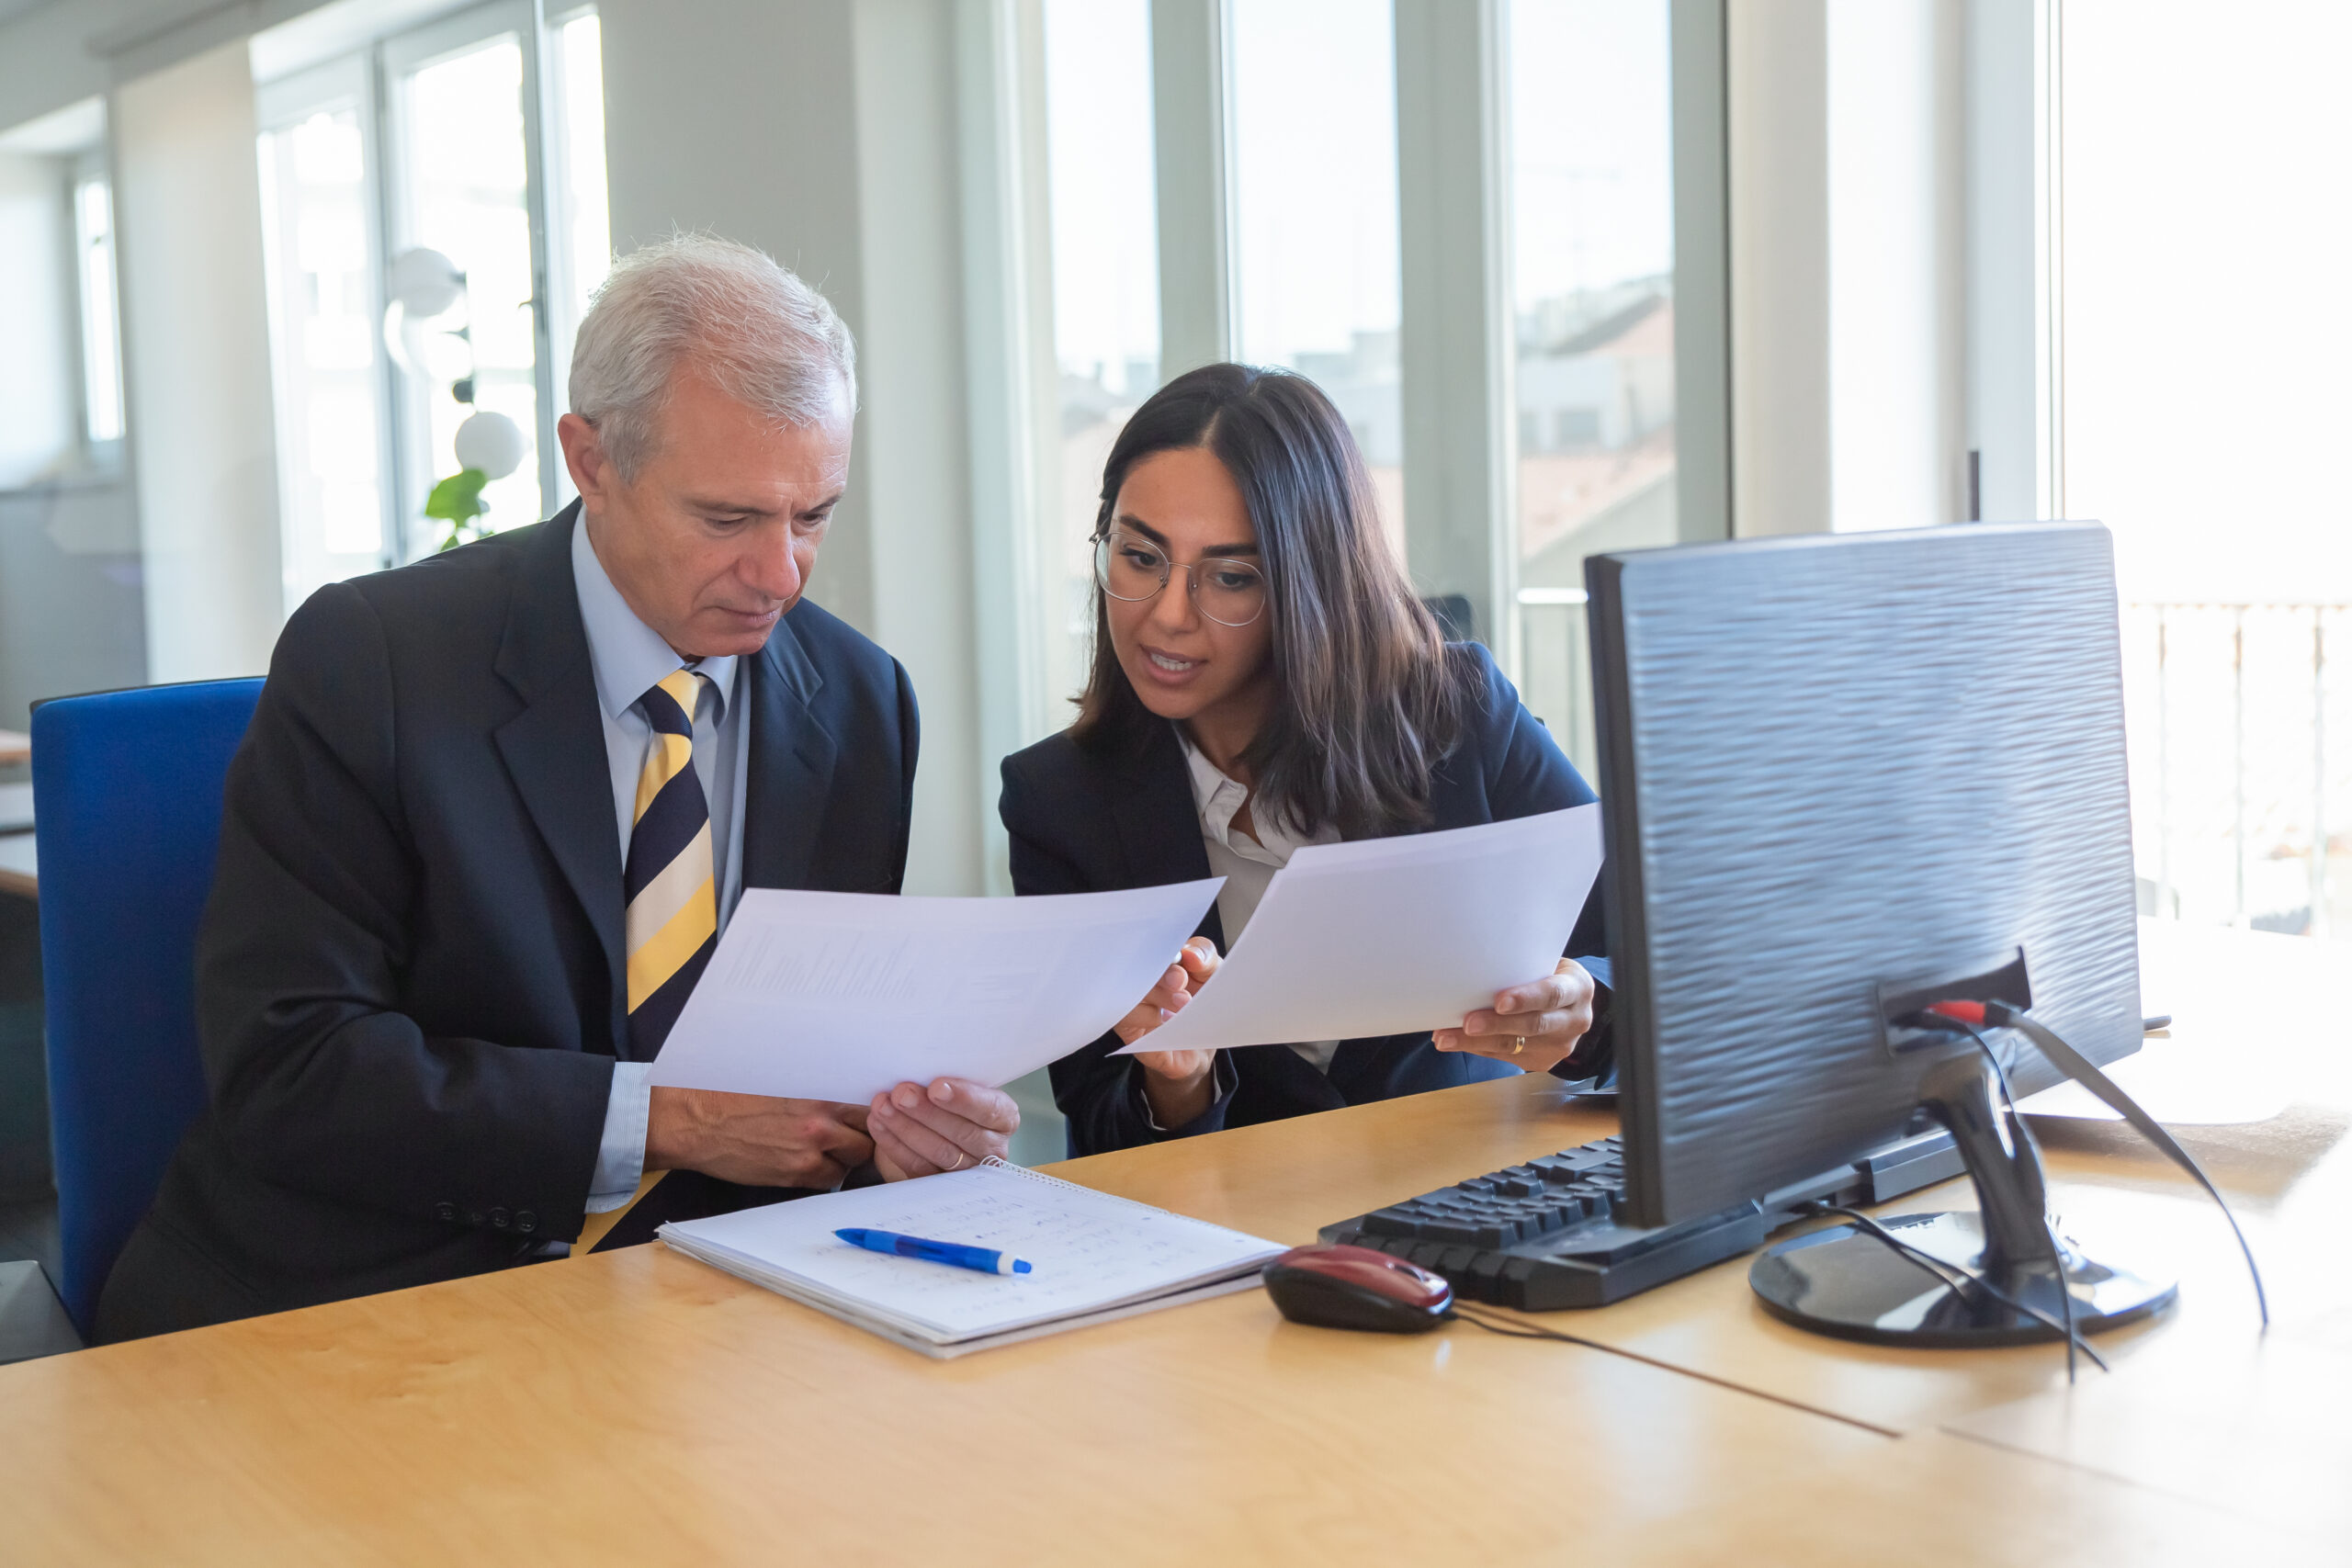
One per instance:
(620, 1156)
(1224, 1078)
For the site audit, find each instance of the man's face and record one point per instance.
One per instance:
(714, 539)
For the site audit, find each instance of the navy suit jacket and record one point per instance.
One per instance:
(1084, 821)
(410, 982)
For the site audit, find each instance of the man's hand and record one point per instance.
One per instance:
(950, 1125)
(1534, 1026)
(753, 1139)
(1179, 1084)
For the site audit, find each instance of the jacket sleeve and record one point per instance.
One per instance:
(1099, 1093)
(1528, 773)
(319, 1081)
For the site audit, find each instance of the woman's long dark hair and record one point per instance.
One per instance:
(1366, 700)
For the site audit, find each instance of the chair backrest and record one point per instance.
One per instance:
(127, 804)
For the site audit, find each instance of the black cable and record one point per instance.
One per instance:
(2024, 1134)
(1934, 1267)
(1518, 1328)
(2075, 1065)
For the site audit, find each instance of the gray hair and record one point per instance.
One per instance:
(763, 336)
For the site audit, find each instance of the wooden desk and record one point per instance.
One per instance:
(15, 746)
(637, 1405)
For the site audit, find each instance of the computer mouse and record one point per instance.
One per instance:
(1354, 1287)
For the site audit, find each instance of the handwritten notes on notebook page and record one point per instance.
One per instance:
(839, 995)
(1096, 1257)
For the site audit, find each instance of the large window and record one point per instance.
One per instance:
(1593, 218)
(319, 247)
(1105, 295)
(101, 337)
(433, 139)
(1315, 209)
(462, 187)
(2204, 320)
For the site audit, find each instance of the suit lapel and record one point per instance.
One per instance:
(1159, 826)
(554, 748)
(791, 769)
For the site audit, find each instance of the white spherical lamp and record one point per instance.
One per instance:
(423, 283)
(490, 442)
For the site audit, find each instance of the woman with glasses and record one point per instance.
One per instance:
(1264, 678)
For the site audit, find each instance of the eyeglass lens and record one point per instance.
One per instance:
(1230, 592)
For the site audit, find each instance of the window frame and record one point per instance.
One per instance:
(345, 82)
(396, 56)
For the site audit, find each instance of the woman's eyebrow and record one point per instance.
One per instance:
(1126, 520)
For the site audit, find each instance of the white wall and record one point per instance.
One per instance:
(1849, 357)
(1777, 91)
(1896, 371)
(823, 132)
(196, 330)
(38, 320)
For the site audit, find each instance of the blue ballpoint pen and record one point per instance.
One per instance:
(953, 1254)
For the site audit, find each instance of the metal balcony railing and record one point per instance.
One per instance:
(2239, 717)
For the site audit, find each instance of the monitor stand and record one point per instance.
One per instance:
(1842, 1281)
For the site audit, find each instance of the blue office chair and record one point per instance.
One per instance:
(127, 804)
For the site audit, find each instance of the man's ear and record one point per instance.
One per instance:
(583, 456)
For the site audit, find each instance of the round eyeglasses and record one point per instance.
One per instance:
(1131, 568)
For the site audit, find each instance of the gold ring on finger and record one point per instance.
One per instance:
(1518, 1044)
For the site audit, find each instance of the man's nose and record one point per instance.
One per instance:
(770, 566)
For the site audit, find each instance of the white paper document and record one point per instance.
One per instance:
(839, 995)
(1095, 1257)
(1386, 936)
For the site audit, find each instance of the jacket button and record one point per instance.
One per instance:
(445, 1212)
(501, 1218)
(525, 1221)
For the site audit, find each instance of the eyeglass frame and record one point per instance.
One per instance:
(1169, 566)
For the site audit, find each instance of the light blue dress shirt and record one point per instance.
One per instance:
(630, 660)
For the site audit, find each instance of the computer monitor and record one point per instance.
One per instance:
(1844, 775)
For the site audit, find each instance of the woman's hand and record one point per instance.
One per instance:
(1534, 1026)
(948, 1125)
(1179, 1084)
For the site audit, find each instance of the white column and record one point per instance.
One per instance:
(1453, 211)
(195, 344)
(824, 132)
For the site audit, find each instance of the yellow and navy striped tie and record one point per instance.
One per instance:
(672, 921)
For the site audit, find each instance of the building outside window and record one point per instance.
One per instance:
(1592, 224)
(1318, 286)
(1105, 260)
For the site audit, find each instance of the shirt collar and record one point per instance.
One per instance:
(1218, 797)
(630, 658)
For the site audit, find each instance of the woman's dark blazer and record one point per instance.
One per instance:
(1083, 821)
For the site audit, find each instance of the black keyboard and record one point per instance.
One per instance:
(1545, 1234)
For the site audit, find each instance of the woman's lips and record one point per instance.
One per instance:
(1171, 670)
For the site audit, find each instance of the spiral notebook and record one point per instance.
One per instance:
(1095, 1257)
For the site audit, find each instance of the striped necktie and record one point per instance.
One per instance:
(672, 921)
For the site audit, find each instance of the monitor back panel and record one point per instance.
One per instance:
(1830, 761)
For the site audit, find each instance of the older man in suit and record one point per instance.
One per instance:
(493, 813)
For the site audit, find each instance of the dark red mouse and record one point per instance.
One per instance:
(1354, 1287)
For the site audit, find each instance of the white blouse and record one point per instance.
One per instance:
(1247, 864)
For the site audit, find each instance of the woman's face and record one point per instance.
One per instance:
(1183, 664)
